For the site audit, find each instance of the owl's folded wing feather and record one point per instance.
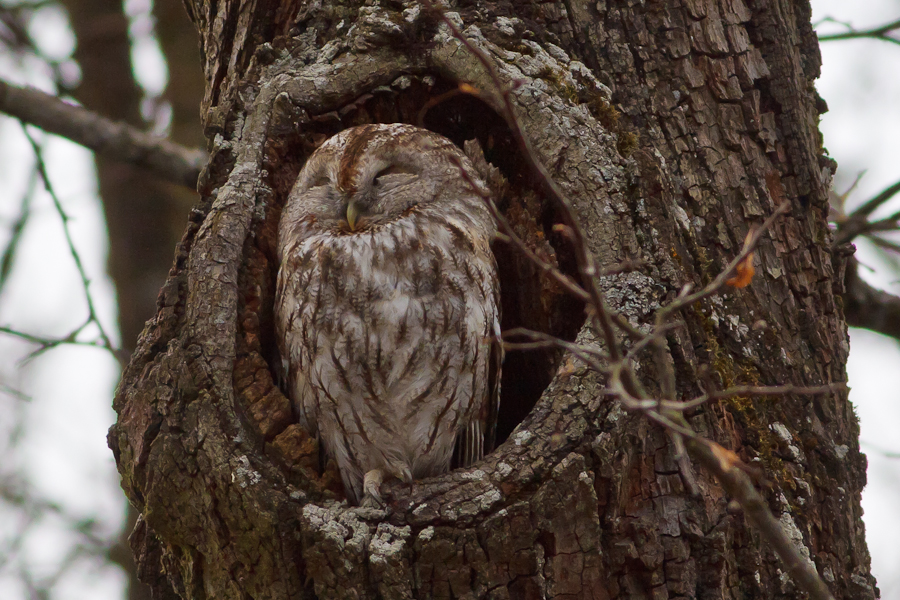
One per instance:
(478, 437)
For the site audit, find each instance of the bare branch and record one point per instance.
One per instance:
(119, 141)
(17, 228)
(882, 32)
(768, 390)
(105, 341)
(588, 356)
(622, 380)
(883, 244)
(868, 307)
(510, 236)
(646, 340)
(879, 450)
(857, 222)
(726, 467)
(586, 264)
(626, 266)
(719, 282)
(48, 343)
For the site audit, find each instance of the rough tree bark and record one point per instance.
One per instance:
(660, 120)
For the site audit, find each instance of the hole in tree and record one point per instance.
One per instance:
(528, 298)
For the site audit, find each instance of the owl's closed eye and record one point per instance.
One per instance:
(393, 176)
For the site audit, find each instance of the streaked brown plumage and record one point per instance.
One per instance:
(387, 299)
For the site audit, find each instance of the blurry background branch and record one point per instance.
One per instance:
(166, 159)
(858, 222)
(865, 305)
(868, 307)
(881, 32)
(140, 70)
(92, 318)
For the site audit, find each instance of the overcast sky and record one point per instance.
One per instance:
(862, 128)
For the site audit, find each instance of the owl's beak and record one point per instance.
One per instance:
(352, 214)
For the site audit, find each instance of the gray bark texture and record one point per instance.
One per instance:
(661, 122)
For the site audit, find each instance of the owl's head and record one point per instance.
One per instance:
(371, 175)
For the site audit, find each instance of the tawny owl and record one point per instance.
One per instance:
(387, 304)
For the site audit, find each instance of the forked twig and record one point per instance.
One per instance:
(104, 340)
(881, 32)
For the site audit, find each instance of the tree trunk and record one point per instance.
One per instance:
(661, 123)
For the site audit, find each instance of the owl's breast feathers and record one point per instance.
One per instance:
(393, 331)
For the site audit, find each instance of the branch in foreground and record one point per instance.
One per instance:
(726, 467)
(116, 140)
(719, 283)
(585, 260)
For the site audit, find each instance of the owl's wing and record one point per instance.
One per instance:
(492, 401)
(478, 437)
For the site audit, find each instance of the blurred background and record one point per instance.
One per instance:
(69, 263)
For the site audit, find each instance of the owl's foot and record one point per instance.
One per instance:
(372, 488)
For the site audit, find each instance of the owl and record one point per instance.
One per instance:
(387, 306)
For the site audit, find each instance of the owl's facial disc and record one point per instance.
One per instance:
(375, 195)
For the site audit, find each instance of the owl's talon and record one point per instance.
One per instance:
(372, 488)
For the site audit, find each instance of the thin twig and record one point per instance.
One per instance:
(15, 393)
(857, 222)
(48, 343)
(883, 244)
(512, 237)
(626, 266)
(881, 451)
(878, 33)
(17, 228)
(589, 356)
(76, 257)
(651, 338)
(717, 284)
(583, 257)
(749, 390)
